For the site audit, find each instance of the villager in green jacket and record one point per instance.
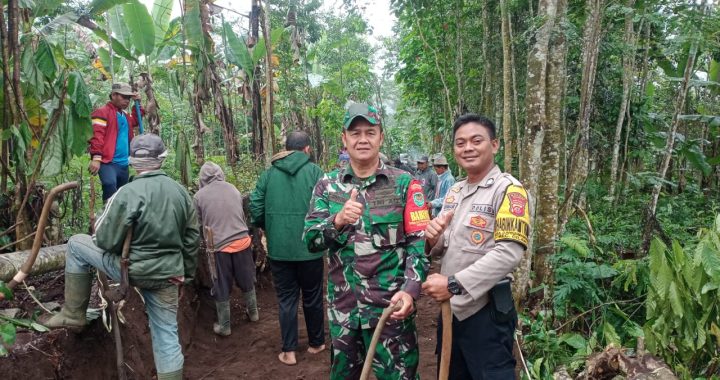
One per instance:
(278, 205)
(163, 252)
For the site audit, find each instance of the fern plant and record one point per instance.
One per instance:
(683, 316)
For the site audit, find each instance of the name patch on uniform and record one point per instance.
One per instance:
(513, 219)
(379, 202)
(482, 208)
(416, 215)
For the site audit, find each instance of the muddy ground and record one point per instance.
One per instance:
(249, 353)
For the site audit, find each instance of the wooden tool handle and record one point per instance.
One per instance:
(367, 366)
(446, 348)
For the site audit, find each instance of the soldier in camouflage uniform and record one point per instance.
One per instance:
(370, 216)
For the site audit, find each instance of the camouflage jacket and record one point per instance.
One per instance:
(377, 256)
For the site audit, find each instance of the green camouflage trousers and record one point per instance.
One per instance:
(396, 355)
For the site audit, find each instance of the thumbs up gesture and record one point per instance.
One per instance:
(437, 226)
(351, 211)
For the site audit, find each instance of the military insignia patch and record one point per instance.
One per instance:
(478, 221)
(416, 215)
(477, 237)
(455, 189)
(419, 199)
(450, 199)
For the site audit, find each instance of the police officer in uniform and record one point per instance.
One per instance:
(482, 232)
(371, 217)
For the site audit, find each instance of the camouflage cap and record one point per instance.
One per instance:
(363, 110)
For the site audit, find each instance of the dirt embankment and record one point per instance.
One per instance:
(249, 353)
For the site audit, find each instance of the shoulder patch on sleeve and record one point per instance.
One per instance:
(416, 215)
(512, 221)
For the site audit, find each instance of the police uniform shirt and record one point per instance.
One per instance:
(486, 237)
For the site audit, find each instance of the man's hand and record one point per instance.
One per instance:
(436, 287)
(352, 211)
(94, 167)
(437, 226)
(406, 308)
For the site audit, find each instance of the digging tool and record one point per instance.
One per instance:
(39, 234)
(210, 244)
(446, 348)
(367, 366)
(139, 116)
(116, 294)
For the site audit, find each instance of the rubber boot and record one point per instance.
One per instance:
(77, 297)
(174, 375)
(251, 304)
(222, 327)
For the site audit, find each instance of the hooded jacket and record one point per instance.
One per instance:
(165, 231)
(220, 207)
(279, 204)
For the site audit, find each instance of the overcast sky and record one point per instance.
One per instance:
(377, 12)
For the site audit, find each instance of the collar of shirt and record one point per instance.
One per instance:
(486, 182)
(347, 175)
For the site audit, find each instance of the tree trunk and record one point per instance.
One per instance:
(507, 118)
(49, 259)
(269, 127)
(487, 94)
(258, 145)
(578, 172)
(628, 75)
(650, 221)
(535, 124)
(546, 222)
(459, 64)
(516, 112)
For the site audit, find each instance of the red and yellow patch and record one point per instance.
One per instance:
(517, 203)
(478, 221)
(416, 215)
(477, 237)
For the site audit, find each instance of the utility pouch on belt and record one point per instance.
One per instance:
(502, 301)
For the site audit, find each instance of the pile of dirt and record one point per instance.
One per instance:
(250, 352)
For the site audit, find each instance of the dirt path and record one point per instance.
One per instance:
(251, 351)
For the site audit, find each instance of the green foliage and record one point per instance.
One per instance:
(579, 276)
(141, 27)
(682, 310)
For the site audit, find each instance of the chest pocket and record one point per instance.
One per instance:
(477, 232)
(386, 216)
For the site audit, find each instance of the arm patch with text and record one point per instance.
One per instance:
(416, 215)
(512, 221)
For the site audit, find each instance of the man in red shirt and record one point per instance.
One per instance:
(110, 144)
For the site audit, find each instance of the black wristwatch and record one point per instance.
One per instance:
(453, 286)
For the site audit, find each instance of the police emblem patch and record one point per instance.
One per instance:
(450, 199)
(517, 203)
(478, 221)
(419, 199)
(477, 237)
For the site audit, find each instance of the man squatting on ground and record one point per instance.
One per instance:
(278, 205)
(110, 142)
(163, 252)
(220, 211)
(370, 216)
(482, 232)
